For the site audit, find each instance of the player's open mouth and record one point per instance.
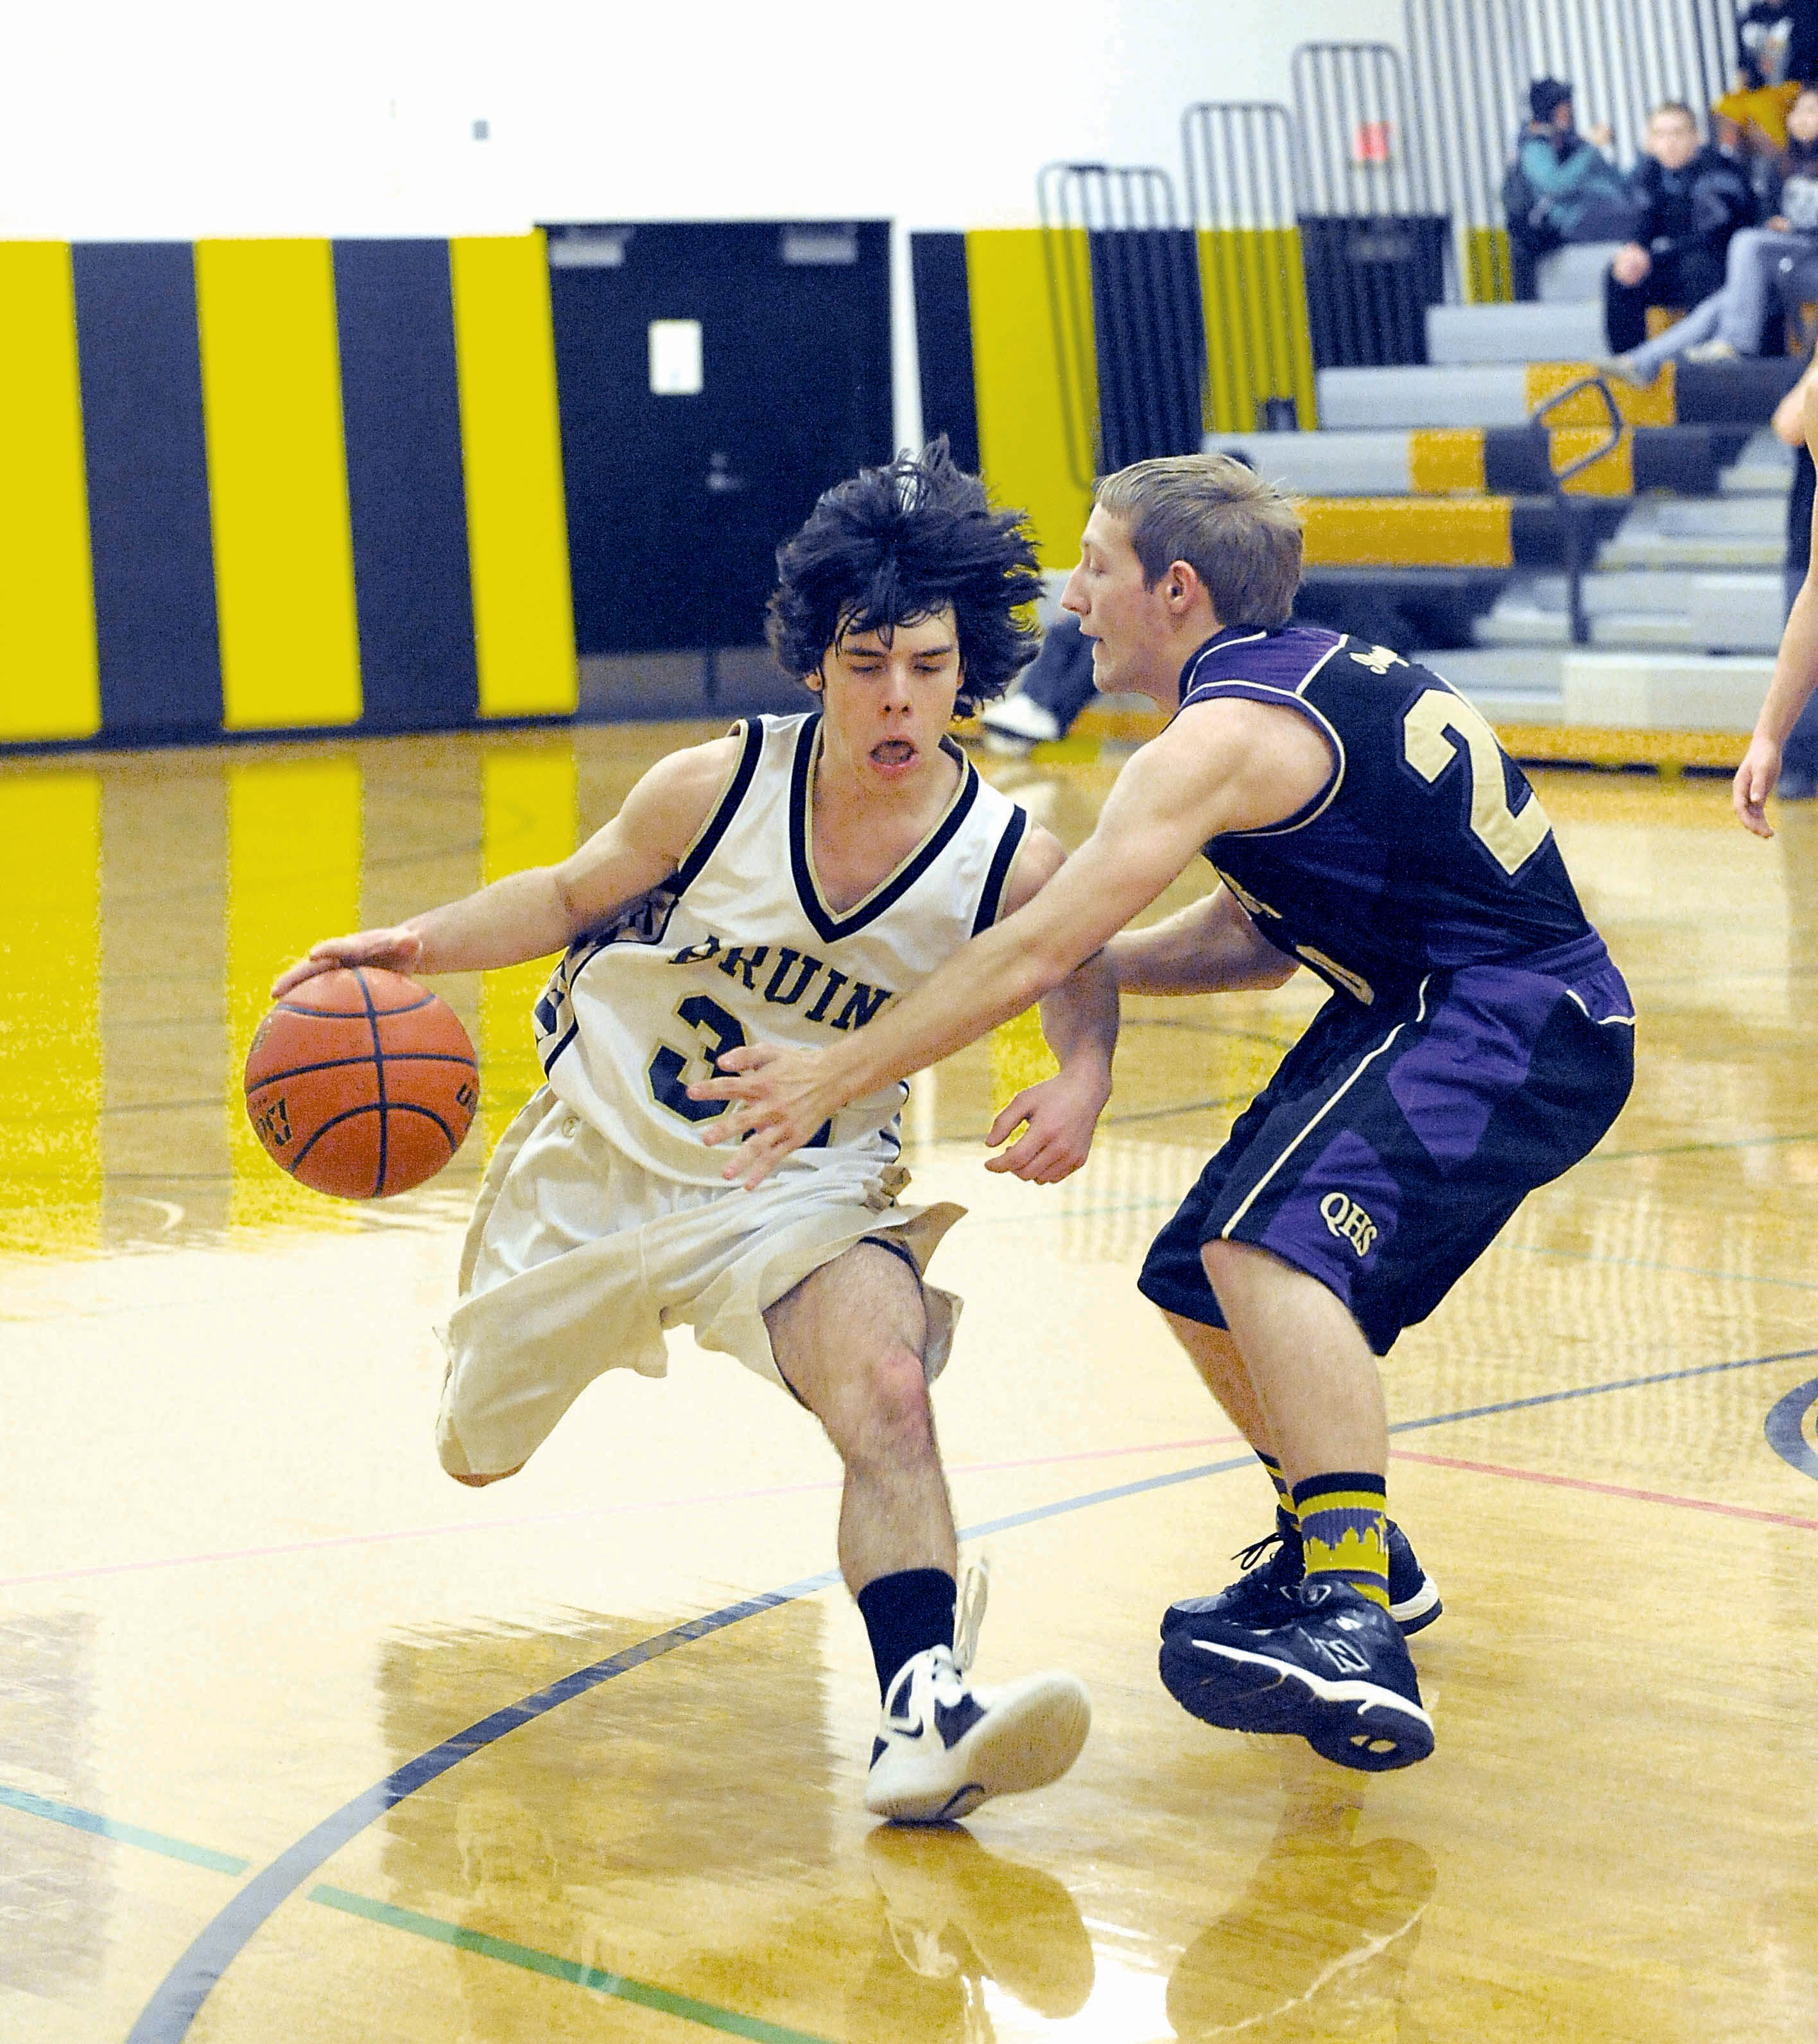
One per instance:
(892, 752)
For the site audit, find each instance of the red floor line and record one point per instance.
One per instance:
(1612, 1490)
(332, 1540)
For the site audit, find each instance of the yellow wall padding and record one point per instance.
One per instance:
(1408, 532)
(1654, 406)
(50, 1031)
(1016, 383)
(294, 839)
(1613, 476)
(517, 525)
(1255, 297)
(49, 684)
(277, 486)
(1489, 274)
(529, 817)
(1446, 458)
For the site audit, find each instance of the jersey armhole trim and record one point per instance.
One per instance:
(725, 807)
(991, 898)
(1287, 699)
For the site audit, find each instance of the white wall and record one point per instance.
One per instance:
(121, 119)
(143, 120)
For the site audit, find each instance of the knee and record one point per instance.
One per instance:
(892, 1420)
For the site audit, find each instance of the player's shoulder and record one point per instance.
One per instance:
(1280, 661)
(681, 791)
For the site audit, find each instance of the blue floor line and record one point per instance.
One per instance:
(166, 2017)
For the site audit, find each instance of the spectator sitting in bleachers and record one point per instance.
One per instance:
(1690, 200)
(1729, 322)
(1777, 51)
(1561, 187)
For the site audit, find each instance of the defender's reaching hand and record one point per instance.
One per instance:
(779, 1097)
(1755, 782)
(1057, 1117)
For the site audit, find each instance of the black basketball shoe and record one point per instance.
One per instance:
(1333, 1671)
(1257, 1597)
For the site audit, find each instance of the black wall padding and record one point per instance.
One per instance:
(402, 410)
(147, 461)
(1150, 338)
(944, 343)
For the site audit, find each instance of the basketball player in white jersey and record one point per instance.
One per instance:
(787, 882)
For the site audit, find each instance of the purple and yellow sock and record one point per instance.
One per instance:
(1344, 1530)
(1284, 1496)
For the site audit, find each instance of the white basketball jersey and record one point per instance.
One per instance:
(739, 945)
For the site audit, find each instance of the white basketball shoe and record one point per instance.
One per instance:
(943, 1746)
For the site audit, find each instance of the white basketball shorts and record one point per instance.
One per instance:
(577, 1259)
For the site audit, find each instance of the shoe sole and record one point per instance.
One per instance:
(1356, 1724)
(1021, 1744)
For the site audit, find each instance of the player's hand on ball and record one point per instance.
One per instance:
(1755, 782)
(396, 950)
(779, 1097)
(1057, 1118)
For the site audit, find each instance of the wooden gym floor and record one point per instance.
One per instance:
(299, 1741)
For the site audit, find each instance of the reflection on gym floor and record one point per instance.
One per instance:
(589, 1745)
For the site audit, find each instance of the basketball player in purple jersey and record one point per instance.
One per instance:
(1477, 1042)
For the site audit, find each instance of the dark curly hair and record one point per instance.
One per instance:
(894, 545)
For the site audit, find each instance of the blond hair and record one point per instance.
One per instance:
(1240, 535)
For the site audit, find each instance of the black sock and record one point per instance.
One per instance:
(905, 1613)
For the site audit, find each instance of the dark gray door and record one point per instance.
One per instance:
(714, 379)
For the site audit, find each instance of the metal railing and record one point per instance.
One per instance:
(1351, 101)
(1573, 511)
(1243, 175)
(1123, 280)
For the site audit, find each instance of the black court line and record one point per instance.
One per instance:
(166, 2017)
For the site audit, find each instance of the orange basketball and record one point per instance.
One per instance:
(361, 1083)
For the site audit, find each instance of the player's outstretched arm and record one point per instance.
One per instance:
(1227, 765)
(1210, 946)
(1795, 669)
(1079, 1019)
(544, 909)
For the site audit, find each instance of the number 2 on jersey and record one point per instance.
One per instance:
(669, 1068)
(1434, 723)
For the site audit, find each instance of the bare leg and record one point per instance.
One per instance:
(1312, 1369)
(849, 1340)
(1215, 1356)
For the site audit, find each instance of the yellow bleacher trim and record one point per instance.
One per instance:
(1016, 383)
(511, 439)
(530, 817)
(1583, 745)
(1654, 406)
(1612, 476)
(1408, 532)
(278, 486)
(49, 685)
(1446, 458)
(1254, 287)
(1489, 272)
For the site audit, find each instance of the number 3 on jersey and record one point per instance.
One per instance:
(1434, 723)
(669, 1068)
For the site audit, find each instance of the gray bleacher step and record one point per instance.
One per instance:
(1764, 468)
(1650, 690)
(1695, 532)
(1449, 395)
(1662, 550)
(1510, 685)
(1325, 464)
(1521, 334)
(1717, 612)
